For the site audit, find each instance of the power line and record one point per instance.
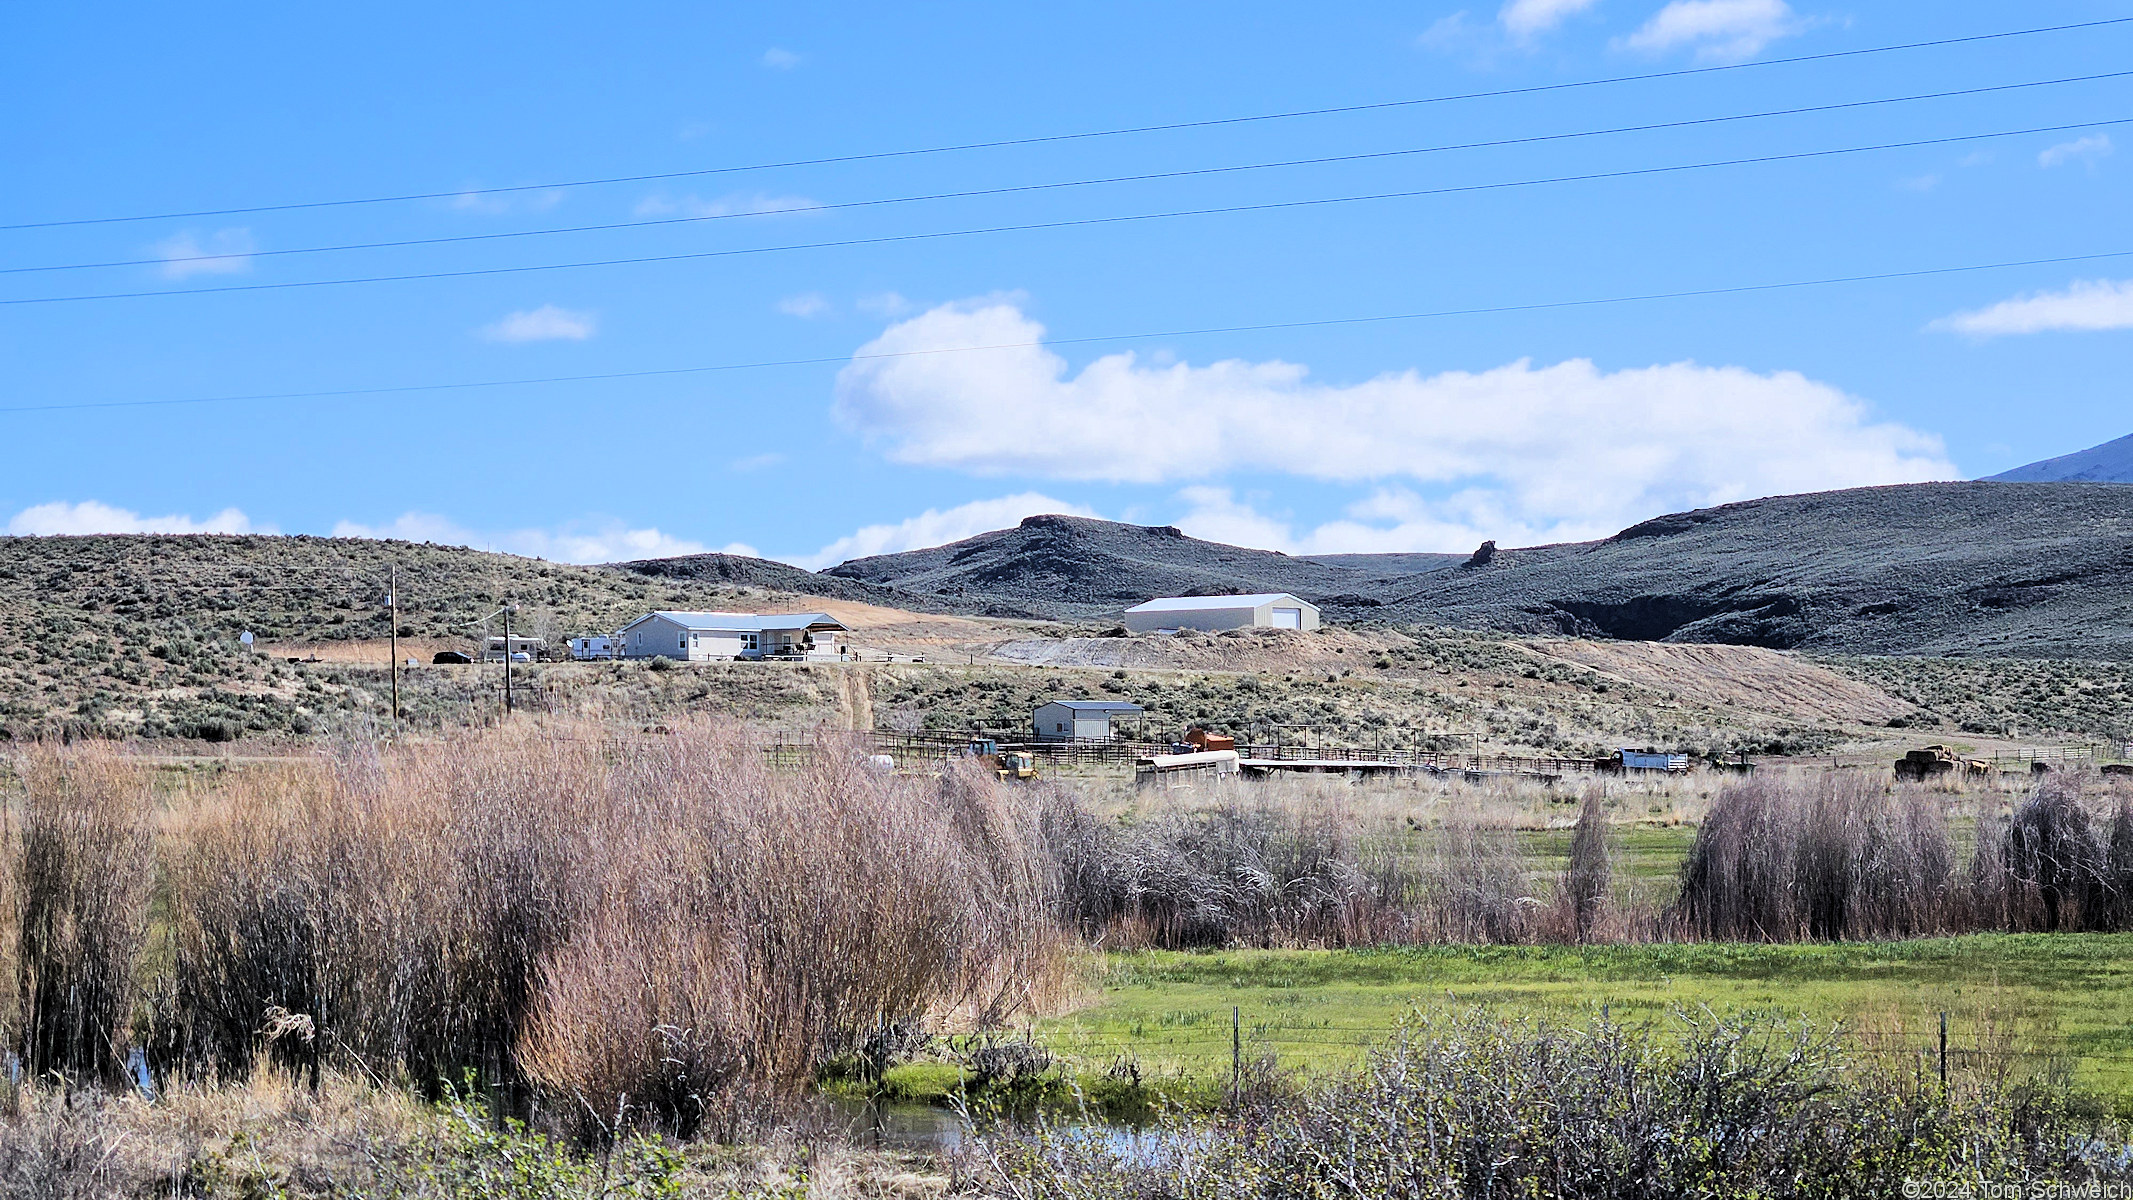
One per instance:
(1016, 189)
(1072, 223)
(1046, 139)
(1263, 327)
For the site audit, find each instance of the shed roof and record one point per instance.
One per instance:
(744, 622)
(1210, 603)
(1110, 706)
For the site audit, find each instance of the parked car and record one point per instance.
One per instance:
(451, 657)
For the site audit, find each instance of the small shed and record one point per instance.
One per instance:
(1264, 610)
(1079, 720)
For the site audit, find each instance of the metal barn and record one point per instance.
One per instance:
(1266, 610)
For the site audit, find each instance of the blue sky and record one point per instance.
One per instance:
(1423, 434)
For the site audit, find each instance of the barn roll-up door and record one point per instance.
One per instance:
(1288, 618)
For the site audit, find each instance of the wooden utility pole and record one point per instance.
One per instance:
(392, 640)
(507, 658)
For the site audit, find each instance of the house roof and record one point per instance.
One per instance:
(1109, 706)
(1208, 603)
(729, 622)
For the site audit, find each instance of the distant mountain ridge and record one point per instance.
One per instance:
(2111, 462)
(2016, 569)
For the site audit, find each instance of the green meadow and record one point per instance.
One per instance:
(2019, 998)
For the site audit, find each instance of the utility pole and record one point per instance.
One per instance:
(508, 608)
(392, 639)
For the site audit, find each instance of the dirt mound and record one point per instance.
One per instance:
(1744, 676)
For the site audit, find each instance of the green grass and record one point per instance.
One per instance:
(2070, 994)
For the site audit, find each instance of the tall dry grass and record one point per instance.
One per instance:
(1842, 855)
(1588, 881)
(1262, 865)
(2061, 860)
(1832, 855)
(82, 872)
(623, 933)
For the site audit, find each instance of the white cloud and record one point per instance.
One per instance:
(757, 462)
(884, 304)
(1919, 183)
(1451, 33)
(2083, 150)
(938, 527)
(739, 204)
(780, 60)
(1538, 447)
(544, 324)
(805, 305)
(1526, 18)
(1720, 30)
(610, 541)
(224, 252)
(91, 516)
(1388, 520)
(2084, 305)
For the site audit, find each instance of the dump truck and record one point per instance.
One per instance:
(1932, 762)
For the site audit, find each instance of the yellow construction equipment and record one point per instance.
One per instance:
(1005, 764)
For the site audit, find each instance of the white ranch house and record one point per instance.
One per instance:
(1266, 610)
(724, 636)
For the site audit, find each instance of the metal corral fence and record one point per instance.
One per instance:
(2012, 762)
(796, 748)
(792, 750)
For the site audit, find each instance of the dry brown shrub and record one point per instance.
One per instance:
(600, 925)
(1588, 880)
(1832, 855)
(81, 891)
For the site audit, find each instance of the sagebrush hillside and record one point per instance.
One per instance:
(1944, 569)
(737, 570)
(138, 636)
(1069, 567)
(140, 633)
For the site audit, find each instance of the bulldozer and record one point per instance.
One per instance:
(1935, 761)
(1005, 764)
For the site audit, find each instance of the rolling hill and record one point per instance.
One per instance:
(2111, 462)
(139, 635)
(142, 632)
(1993, 569)
(1078, 567)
